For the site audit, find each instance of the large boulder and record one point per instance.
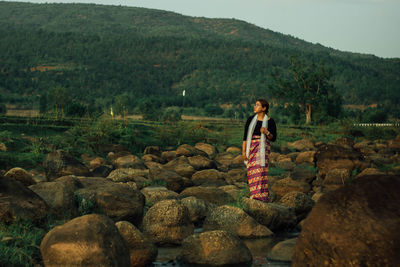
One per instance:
(283, 251)
(299, 202)
(127, 174)
(142, 251)
(21, 175)
(215, 248)
(18, 202)
(236, 176)
(303, 174)
(173, 180)
(181, 166)
(118, 201)
(167, 223)
(198, 209)
(208, 193)
(129, 161)
(356, 225)
(306, 157)
(201, 162)
(275, 216)
(207, 148)
(209, 177)
(189, 151)
(284, 186)
(90, 240)
(302, 145)
(236, 221)
(225, 159)
(168, 155)
(330, 157)
(59, 197)
(59, 163)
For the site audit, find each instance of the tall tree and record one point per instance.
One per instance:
(307, 85)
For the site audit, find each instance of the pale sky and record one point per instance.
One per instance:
(363, 26)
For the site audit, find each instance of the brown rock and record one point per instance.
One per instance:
(168, 155)
(369, 171)
(129, 161)
(342, 230)
(283, 251)
(154, 194)
(305, 157)
(167, 222)
(181, 166)
(207, 148)
(236, 221)
(198, 209)
(17, 202)
(151, 157)
(127, 174)
(337, 177)
(97, 162)
(225, 158)
(208, 193)
(201, 163)
(208, 177)
(236, 175)
(285, 165)
(299, 202)
(21, 175)
(284, 186)
(215, 248)
(59, 163)
(189, 151)
(234, 150)
(142, 251)
(173, 181)
(90, 240)
(302, 145)
(302, 174)
(3, 147)
(153, 150)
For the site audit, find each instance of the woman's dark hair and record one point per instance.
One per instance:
(264, 104)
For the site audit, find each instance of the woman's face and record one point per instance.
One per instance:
(258, 108)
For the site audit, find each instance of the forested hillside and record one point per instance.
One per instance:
(99, 55)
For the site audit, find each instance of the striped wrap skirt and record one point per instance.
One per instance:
(256, 174)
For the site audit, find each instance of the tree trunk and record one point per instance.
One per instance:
(308, 113)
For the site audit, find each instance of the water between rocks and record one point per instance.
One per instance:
(259, 248)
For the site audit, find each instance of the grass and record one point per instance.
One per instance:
(244, 192)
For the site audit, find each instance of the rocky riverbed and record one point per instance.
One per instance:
(191, 206)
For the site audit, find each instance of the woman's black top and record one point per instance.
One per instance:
(271, 128)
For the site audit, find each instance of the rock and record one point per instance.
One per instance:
(112, 156)
(330, 157)
(21, 175)
(317, 196)
(236, 221)
(59, 197)
(114, 148)
(232, 190)
(59, 163)
(151, 157)
(198, 209)
(189, 151)
(153, 150)
(224, 158)
(275, 216)
(127, 174)
(215, 248)
(337, 177)
(72, 182)
(173, 181)
(154, 194)
(142, 251)
(285, 165)
(344, 142)
(302, 145)
(356, 225)
(167, 222)
(129, 161)
(286, 185)
(207, 148)
(236, 175)
(234, 150)
(209, 177)
(201, 163)
(305, 157)
(90, 240)
(238, 162)
(181, 166)
(117, 201)
(394, 144)
(302, 174)
(208, 193)
(102, 171)
(299, 202)
(97, 162)
(168, 155)
(283, 251)
(3, 147)
(17, 202)
(369, 171)
(379, 160)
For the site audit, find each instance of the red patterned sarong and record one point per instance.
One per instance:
(256, 174)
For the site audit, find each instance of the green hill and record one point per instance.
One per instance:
(103, 54)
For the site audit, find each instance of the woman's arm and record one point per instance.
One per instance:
(244, 150)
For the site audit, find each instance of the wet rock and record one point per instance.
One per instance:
(207, 148)
(167, 222)
(341, 230)
(59, 163)
(21, 175)
(215, 248)
(18, 202)
(142, 251)
(283, 251)
(236, 221)
(154, 194)
(208, 193)
(90, 240)
(209, 177)
(275, 216)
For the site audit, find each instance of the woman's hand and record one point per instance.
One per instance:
(244, 157)
(264, 131)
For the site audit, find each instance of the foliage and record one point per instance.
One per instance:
(244, 192)
(156, 182)
(86, 206)
(171, 114)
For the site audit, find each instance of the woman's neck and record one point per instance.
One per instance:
(260, 116)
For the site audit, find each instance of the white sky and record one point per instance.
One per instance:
(363, 26)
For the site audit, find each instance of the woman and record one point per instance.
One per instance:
(258, 133)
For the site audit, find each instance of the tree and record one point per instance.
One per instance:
(59, 97)
(307, 86)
